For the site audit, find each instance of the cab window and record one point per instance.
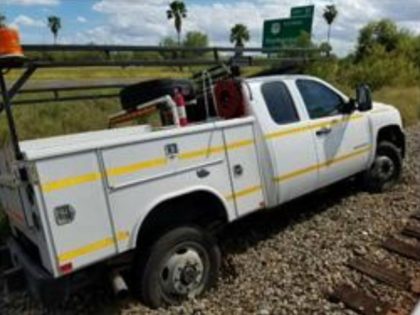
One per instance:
(279, 103)
(320, 101)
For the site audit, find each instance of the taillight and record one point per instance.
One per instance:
(66, 268)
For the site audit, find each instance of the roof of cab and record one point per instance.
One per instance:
(279, 77)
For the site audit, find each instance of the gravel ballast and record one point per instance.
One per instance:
(285, 261)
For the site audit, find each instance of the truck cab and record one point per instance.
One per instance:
(314, 134)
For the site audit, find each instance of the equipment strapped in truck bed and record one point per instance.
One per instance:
(220, 62)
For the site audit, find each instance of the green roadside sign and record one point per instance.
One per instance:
(306, 11)
(286, 32)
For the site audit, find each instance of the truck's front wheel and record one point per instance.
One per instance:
(385, 170)
(182, 263)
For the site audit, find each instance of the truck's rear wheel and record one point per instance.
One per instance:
(181, 264)
(385, 170)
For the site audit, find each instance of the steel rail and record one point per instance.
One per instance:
(156, 63)
(63, 99)
(129, 48)
(70, 88)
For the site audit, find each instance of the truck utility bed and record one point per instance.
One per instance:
(94, 190)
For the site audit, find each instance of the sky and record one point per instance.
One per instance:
(144, 22)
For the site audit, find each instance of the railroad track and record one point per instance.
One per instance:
(360, 300)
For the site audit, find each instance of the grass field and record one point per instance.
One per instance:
(102, 73)
(406, 99)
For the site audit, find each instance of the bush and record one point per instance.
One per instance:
(383, 69)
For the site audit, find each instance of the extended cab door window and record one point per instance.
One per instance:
(320, 101)
(279, 103)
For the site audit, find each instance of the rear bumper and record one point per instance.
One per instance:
(41, 285)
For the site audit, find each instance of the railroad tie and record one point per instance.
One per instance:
(416, 215)
(359, 301)
(412, 231)
(402, 248)
(378, 272)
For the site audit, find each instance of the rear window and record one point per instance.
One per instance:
(279, 103)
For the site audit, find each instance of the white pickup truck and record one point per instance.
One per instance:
(153, 199)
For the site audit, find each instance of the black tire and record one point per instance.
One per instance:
(386, 169)
(182, 263)
(136, 94)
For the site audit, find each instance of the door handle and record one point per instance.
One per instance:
(323, 131)
(202, 173)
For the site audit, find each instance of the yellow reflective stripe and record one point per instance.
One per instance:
(287, 132)
(123, 170)
(91, 248)
(200, 153)
(85, 250)
(243, 193)
(132, 168)
(92, 177)
(123, 236)
(296, 173)
(322, 165)
(239, 144)
(71, 181)
(136, 167)
(214, 150)
(345, 157)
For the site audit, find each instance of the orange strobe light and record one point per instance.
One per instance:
(10, 43)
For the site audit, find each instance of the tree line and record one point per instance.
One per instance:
(384, 53)
(177, 12)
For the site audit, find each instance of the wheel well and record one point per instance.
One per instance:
(200, 208)
(394, 135)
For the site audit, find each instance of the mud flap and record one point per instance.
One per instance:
(42, 286)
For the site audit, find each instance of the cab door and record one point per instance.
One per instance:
(342, 140)
(288, 142)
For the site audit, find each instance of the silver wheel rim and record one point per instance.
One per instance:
(183, 271)
(384, 168)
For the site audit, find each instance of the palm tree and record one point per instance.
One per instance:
(2, 20)
(239, 34)
(177, 11)
(54, 23)
(330, 14)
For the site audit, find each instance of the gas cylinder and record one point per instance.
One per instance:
(179, 100)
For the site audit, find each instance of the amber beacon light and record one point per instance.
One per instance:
(10, 47)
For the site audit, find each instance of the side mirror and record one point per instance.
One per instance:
(364, 98)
